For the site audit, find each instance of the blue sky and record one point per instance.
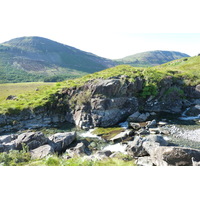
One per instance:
(108, 28)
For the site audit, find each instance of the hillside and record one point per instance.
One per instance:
(185, 72)
(34, 58)
(151, 58)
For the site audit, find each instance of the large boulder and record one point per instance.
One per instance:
(144, 146)
(30, 139)
(41, 151)
(138, 117)
(171, 155)
(60, 141)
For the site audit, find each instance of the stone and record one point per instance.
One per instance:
(154, 130)
(134, 117)
(158, 139)
(7, 138)
(60, 141)
(138, 117)
(162, 123)
(121, 136)
(11, 97)
(152, 124)
(144, 161)
(42, 151)
(78, 150)
(30, 139)
(104, 153)
(171, 156)
(143, 131)
(135, 148)
(134, 126)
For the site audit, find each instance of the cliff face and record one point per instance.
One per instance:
(103, 103)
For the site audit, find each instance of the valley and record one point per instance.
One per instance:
(110, 115)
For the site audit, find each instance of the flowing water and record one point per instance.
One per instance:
(185, 131)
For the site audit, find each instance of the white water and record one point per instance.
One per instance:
(90, 135)
(189, 134)
(116, 148)
(185, 117)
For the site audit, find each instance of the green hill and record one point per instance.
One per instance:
(28, 59)
(151, 58)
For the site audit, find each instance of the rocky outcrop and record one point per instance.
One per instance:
(37, 143)
(30, 139)
(104, 103)
(60, 141)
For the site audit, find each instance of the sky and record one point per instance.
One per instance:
(108, 28)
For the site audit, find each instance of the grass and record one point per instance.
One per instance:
(19, 88)
(185, 71)
(23, 158)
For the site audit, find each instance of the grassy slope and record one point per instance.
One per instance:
(151, 58)
(188, 71)
(19, 88)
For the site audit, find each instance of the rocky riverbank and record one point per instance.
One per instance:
(105, 103)
(146, 143)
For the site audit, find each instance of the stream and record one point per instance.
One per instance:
(185, 132)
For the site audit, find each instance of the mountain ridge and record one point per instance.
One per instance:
(151, 58)
(32, 59)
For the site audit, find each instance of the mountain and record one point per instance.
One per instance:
(151, 58)
(34, 58)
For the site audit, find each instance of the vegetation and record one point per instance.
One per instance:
(151, 58)
(186, 72)
(23, 158)
(29, 59)
(19, 88)
(108, 133)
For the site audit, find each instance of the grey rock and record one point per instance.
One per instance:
(138, 117)
(7, 138)
(11, 97)
(152, 124)
(154, 130)
(134, 126)
(60, 141)
(104, 153)
(171, 156)
(30, 139)
(78, 150)
(158, 139)
(121, 136)
(144, 161)
(41, 152)
(143, 131)
(135, 148)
